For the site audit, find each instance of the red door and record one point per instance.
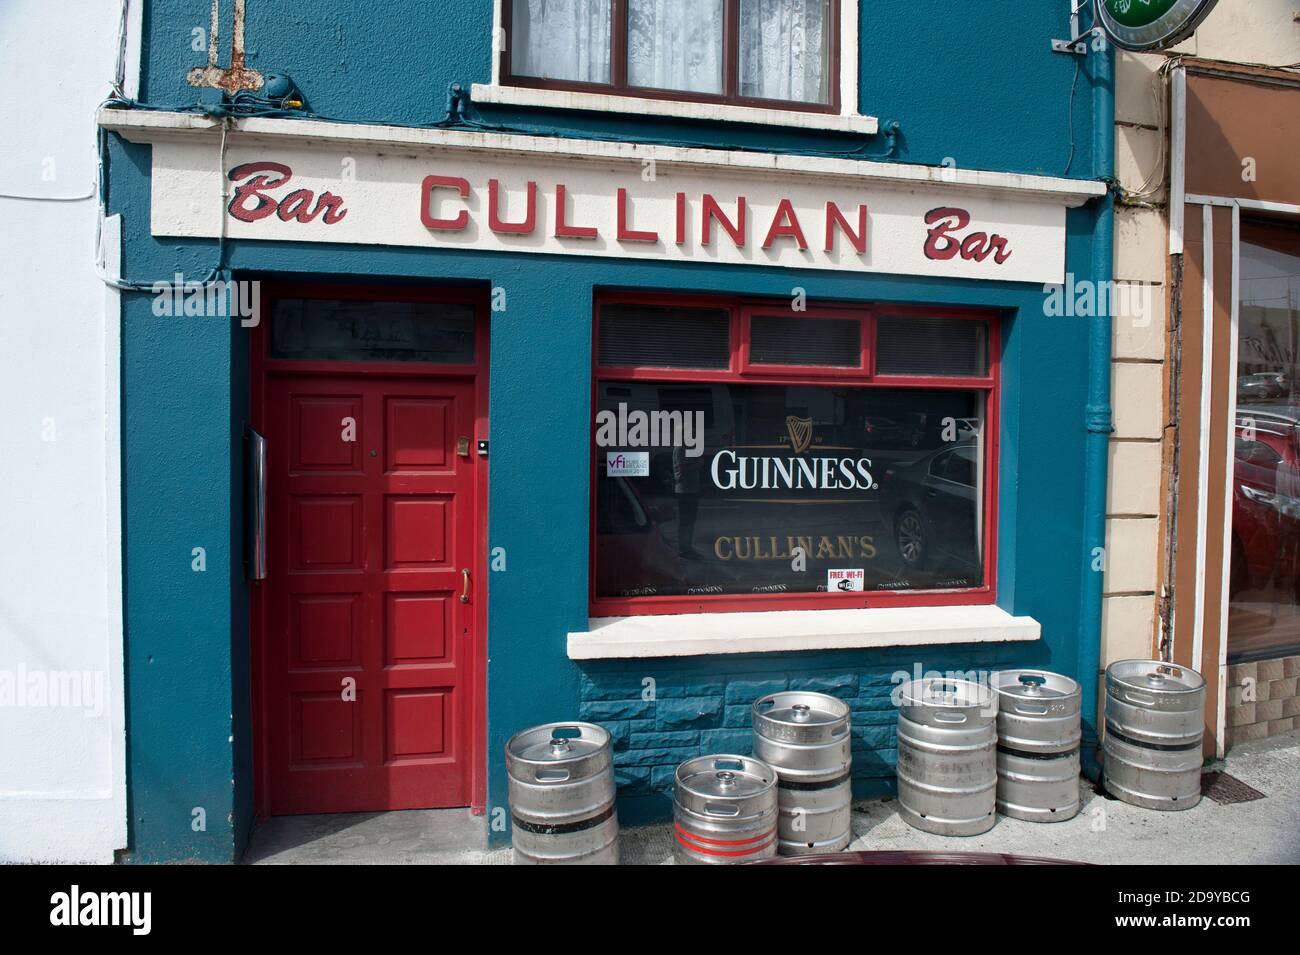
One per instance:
(368, 640)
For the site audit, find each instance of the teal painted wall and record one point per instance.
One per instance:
(972, 82)
(185, 386)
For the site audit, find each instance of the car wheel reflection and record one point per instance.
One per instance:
(909, 535)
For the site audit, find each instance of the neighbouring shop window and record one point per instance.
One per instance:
(314, 329)
(1264, 583)
(767, 52)
(775, 461)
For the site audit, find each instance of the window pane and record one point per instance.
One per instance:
(861, 478)
(781, 340)
(1264, 581)
(561, 39)
(358, 330)
(664, 337)
(919, 345)
(785, 50)
(675, 45)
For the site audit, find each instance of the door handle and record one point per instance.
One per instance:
(464, 594)
(255, 531)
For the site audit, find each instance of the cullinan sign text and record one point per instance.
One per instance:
(697, 211)
(444, 206)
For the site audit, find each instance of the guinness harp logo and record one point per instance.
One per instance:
(800, 431)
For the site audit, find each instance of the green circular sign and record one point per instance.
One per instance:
(1151, 24)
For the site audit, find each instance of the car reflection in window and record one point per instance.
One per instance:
(632, 548)
(1266, 502)
(935, 510)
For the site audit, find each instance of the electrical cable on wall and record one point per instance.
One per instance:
(1147, 195)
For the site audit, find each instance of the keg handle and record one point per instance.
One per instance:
(1032, 682)
(1038, 710)
(839, 731)
(721, 809)
(943, 717)
(1141, 699)
(551, 775)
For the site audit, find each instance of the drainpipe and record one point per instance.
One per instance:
(1097, 415)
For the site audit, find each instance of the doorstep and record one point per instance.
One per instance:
(400, 837)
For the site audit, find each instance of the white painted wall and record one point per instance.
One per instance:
(62, 764)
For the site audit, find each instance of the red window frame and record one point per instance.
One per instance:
(741, 371)
(618, 84)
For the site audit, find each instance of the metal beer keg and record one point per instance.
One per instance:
(805, 738)
(1038, 745)
(561, 787)
(724, 810)
(947, 756)
(1154, 724)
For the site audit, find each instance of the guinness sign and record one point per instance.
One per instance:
(732, 471)
(800, 431)
(1146, 25)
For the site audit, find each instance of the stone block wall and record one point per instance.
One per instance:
(1263, 699)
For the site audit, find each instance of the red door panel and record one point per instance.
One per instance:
(368, 645)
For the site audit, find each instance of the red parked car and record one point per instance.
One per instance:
(1266, 499)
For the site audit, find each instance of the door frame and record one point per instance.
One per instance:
(261, 368)
(1207, 200)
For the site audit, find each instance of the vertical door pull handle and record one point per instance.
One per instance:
(255, 507)
(464, 594)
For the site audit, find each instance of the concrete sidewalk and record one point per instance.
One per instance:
(1105, 831)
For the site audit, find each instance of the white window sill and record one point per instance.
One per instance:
(701, 634)
(635, 105)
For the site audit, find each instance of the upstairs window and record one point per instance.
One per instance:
(774, 53)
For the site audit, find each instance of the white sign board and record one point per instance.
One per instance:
(844, 581)
(444, 198)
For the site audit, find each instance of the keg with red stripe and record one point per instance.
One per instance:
(724, 810)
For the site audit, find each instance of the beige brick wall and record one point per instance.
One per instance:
(1136, 481)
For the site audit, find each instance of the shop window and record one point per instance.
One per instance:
(792, 473)
(931, 345)
(664, 337)
(1264, 582)
(783, 340)
(780, 53)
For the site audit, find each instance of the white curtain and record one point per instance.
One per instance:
(675, 45)
(785, 49)
(561, 39)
